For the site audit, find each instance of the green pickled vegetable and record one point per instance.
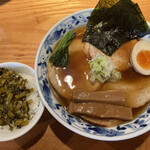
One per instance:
(22, 94)
(114, 22)
(59, 57)
(9, 97)
(14, 108)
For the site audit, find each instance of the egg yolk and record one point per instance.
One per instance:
(143, 59)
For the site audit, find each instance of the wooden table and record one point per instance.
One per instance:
(23, 24)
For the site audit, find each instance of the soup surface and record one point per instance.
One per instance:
(77, 76)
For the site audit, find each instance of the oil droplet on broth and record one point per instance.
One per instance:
(68, 79)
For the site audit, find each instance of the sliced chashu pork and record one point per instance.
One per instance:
(121, 58)
(75, 75)
(138, 88)
(102, 122)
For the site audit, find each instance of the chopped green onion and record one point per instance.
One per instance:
(103, 69)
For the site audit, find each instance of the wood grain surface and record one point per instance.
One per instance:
(23, 24)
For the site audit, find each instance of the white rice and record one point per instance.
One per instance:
(33, 95)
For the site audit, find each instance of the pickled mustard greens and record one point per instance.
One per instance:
(114, 22)
(14, 108)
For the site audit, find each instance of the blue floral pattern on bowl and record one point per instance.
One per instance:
(133, 128)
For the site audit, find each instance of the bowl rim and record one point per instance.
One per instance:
(96, 137)
(39, 111)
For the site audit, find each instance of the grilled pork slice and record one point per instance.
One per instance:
(136, 87)
(101, 110)
(75, 76)
(102, 122)
(111, 96)
(121, 57)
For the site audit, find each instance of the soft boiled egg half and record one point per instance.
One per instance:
(140, 57)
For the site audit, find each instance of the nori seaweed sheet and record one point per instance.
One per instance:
(114, 22)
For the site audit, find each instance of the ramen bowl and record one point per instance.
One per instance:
(128, 130)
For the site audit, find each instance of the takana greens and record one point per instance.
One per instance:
(114, 22)
(14, 107)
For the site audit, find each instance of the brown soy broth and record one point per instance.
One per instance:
(60, 99)
(80, 32)
(140, 110)
(131, 77)
(78, 67)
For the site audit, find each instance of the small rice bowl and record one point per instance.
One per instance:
(36, 108)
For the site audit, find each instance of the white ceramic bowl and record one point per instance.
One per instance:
(5, 133)
(129, 130)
